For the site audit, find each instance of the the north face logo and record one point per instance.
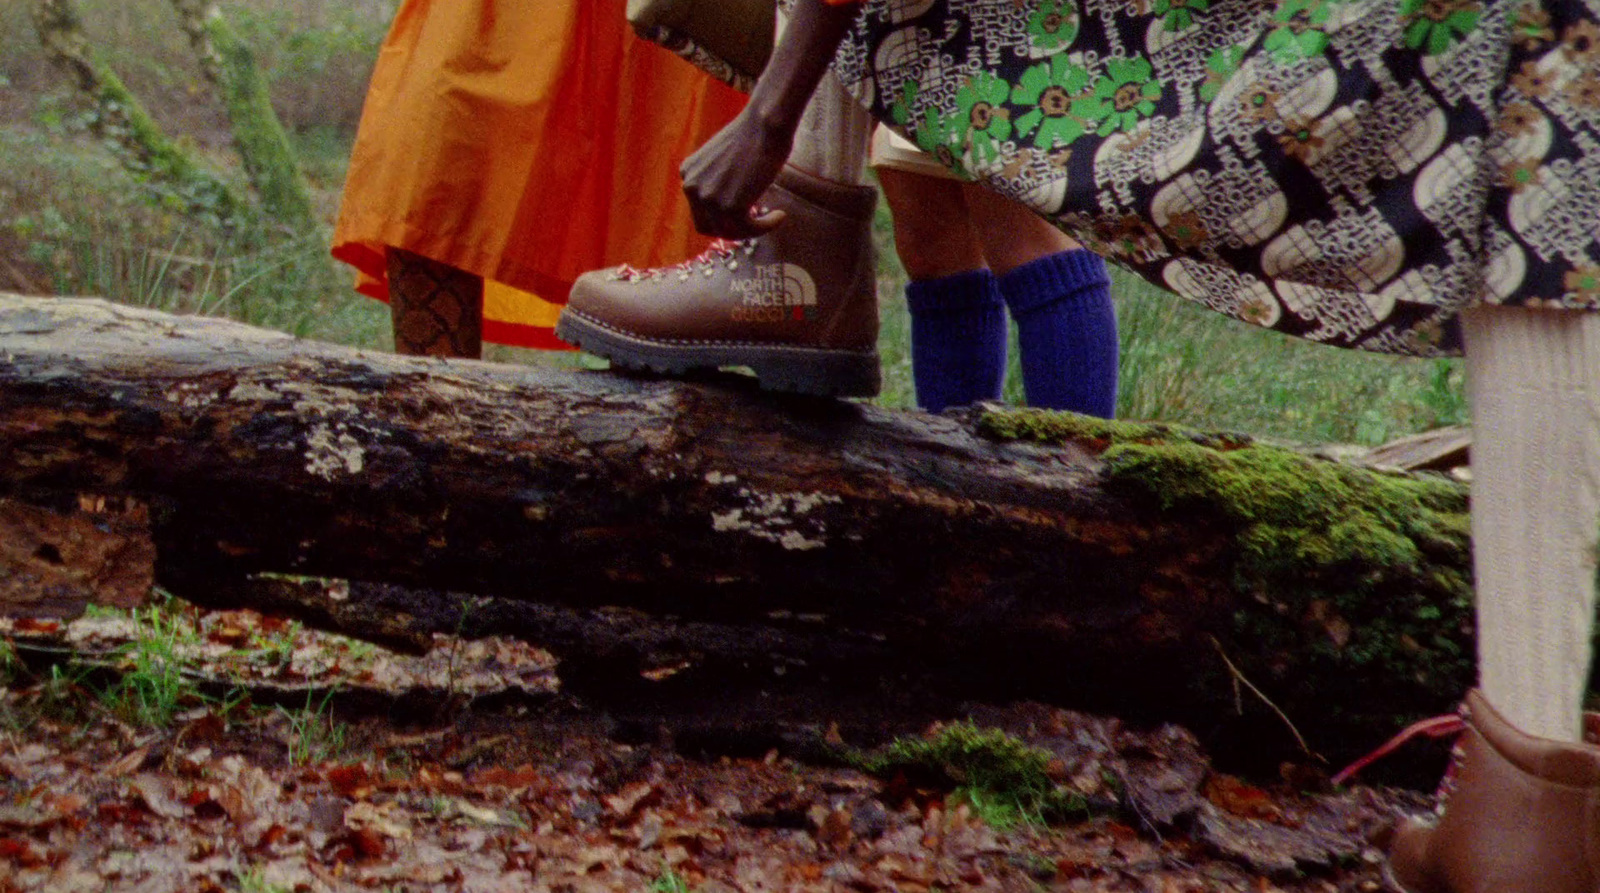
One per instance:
(775, 292)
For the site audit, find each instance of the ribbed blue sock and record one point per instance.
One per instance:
(958, 339)
(1066, 332)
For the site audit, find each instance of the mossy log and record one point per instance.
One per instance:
(688, 539)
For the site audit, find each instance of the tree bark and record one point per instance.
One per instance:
(121, 120)
(675, 539)
(229, 65)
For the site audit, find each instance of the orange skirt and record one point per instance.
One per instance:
(527, 143)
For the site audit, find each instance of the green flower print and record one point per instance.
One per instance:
(1220, 65)
(1123, 95)
(1179, 14)
(1298, 35)
(1583, 285)
(938, 135)
(941, 136)
(1530, 26)
(1054, 25)
(1437, 25)
(980, 103)
(1051, 88)
(900, 109)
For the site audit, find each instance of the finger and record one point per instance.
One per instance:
(724, 226)
(739, 228)
(753, 222)
(767, 219)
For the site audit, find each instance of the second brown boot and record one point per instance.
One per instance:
(1523, 816)
(798, 305)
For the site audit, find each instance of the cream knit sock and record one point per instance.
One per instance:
(834, 135)
(1534, 380)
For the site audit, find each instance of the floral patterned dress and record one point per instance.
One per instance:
(1353, 172)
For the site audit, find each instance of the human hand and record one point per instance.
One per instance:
(724, 178)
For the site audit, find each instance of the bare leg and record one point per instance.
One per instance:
(958, 319)
(437, 309)
(1011, 233)
(933, 234)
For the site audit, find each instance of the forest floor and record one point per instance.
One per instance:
(286, 760)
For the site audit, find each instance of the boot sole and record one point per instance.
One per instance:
(798, 370)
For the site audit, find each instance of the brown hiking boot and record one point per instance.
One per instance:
(798, 305)
(1523, 815)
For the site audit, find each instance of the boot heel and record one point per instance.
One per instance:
(822, 374)
(1523, 816)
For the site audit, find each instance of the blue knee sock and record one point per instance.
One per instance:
(958, 339)
(1066, 332)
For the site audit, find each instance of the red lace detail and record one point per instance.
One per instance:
(1447, 726)
(719, 250)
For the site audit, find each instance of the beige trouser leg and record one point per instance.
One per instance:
(834, 133)
(1534, 380)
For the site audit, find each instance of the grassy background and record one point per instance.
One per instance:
(73, 222)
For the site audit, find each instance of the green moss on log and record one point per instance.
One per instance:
(1058, 428)
(1373, 566)
(1344, 574)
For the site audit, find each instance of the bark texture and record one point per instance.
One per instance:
(700, 540)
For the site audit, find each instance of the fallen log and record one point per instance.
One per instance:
(674, 539)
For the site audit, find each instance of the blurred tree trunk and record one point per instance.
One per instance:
(120, 119)
(229, 65)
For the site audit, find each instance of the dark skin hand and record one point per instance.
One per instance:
(725, 177)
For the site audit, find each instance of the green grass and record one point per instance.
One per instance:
(315, 734)
(669, 881)
(154, 685)
(11, 666)
(153, 679)
(73, 222)
(254, 881)
(1183, 363)
(88, 228)
(1004, 780)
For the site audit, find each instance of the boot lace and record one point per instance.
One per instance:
(1451, 725)
(721, 252)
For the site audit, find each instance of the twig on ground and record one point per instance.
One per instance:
(1239, 679)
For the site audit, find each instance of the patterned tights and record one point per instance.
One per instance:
(437, 309)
